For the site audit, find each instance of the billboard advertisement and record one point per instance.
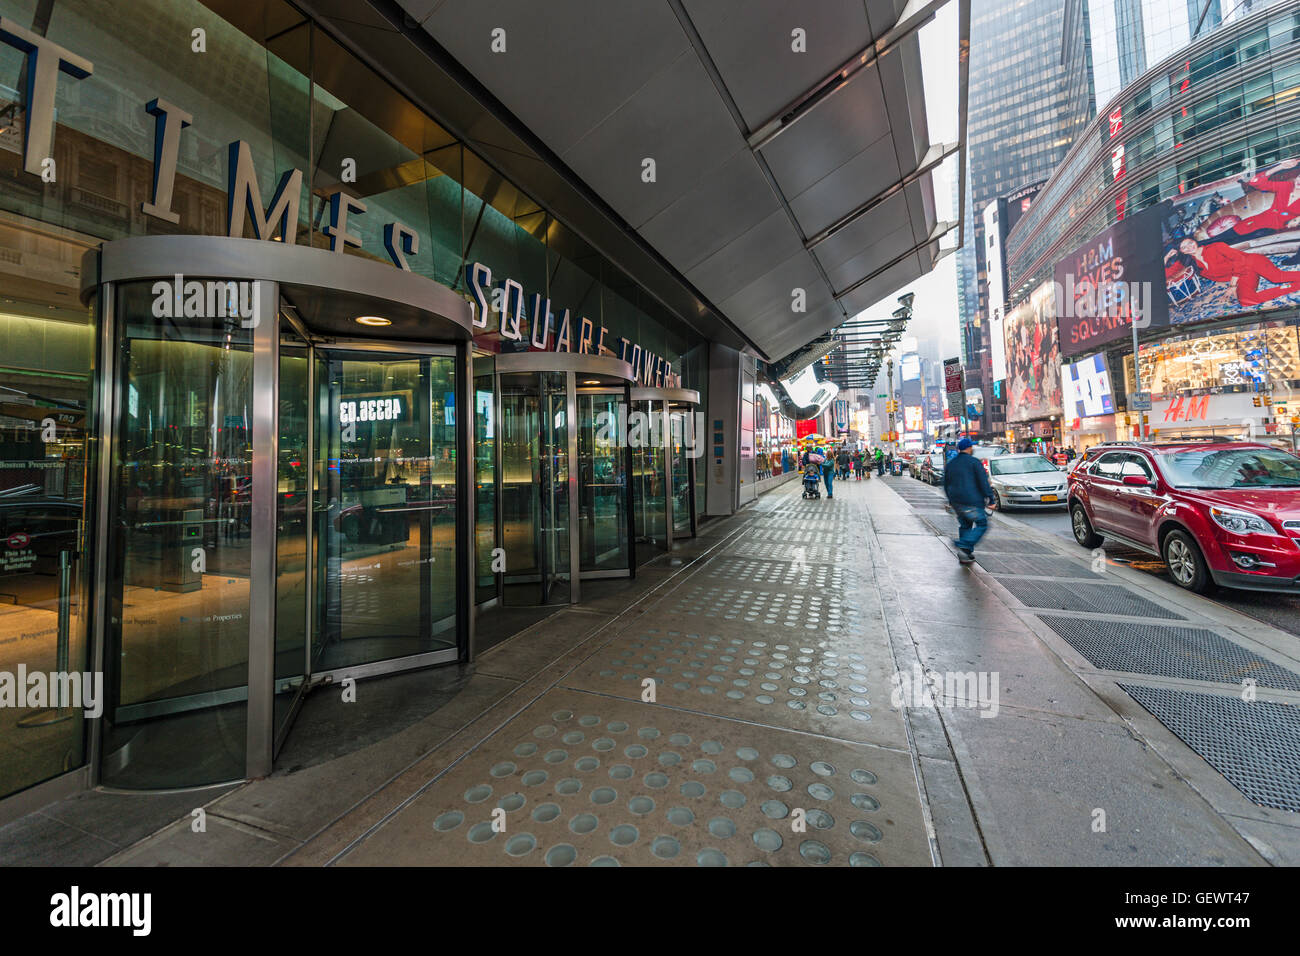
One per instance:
(910, 367)
(913, 418)
(1033, 357)
(1000, 217)
(1234, 245)
(1108, 281)
(996, 274)
(1086, 388)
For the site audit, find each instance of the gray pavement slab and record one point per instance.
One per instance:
(582, 779)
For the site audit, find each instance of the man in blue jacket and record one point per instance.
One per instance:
(968, 489)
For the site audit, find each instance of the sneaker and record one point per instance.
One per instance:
(964, 556)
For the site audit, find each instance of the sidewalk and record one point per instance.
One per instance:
(772, 641)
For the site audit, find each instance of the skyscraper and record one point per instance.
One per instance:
(1017, 134)
(1107, 44)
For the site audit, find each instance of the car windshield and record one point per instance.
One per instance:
(988, 451)
(1021, 466)
(1231, 468)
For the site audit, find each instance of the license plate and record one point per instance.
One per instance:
(1049, 498)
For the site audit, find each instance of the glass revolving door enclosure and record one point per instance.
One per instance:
(553, 502)
(283, 496)
(664, 436)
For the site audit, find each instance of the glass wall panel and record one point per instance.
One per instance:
(649, 499)
(389, 495)
(485, 492)
(176, 656)
(680, 432)
(602, 483)
(557, 571)
(46, 357)
(292, 508)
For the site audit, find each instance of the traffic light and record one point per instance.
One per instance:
(1256, 401)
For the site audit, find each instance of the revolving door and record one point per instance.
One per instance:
(665, 440)
(281, 502)
(553, 503)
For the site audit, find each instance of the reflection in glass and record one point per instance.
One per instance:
(602, 483)
(44, 399)
(680, 425)
(293, 498)
(177, 634)
(387, 524)
(485, 499)
(645, 435)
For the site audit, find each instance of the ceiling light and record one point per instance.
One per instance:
(375, 320)
(591, 381)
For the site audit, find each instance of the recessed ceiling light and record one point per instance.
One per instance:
(372, 320)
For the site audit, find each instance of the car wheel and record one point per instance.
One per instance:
(1082, 527)
(1185, 563)
(997, 501)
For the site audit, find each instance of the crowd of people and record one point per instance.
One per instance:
(844, 463)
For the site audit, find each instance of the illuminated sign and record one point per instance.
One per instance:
(913, 418)
(1086, 388)
(372, 410)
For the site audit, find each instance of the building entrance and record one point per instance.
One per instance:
(554, 503)
(282, 499)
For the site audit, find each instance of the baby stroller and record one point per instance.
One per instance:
(812, 477)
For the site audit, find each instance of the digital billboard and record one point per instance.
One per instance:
(1086, 388)
(1113, 277)
(996, 279)
(913, 418)
(1033, 357)
(1234, 245)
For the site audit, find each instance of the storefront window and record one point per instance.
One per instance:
(1252, 358)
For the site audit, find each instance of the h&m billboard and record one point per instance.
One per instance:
(1234, 245)
(1110, 282)
(1226, 248)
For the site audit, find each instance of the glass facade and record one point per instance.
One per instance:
(366, 476)
(1225, 105)
(1256, 357)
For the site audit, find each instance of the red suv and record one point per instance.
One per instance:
(1218, 511)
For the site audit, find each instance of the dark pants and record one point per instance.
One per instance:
(880, 466)
(972, 522)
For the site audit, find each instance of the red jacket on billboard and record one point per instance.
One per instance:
(1220, 262)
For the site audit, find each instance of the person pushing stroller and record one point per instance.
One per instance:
(813, 460)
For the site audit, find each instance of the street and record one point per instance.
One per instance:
(1279, 610)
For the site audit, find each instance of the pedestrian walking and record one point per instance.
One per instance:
(880, 463)
(969, 492)
(828, 474)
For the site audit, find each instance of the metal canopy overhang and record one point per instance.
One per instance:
(675, 396)
(602, 366)
(328, 290)
(774, 171)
